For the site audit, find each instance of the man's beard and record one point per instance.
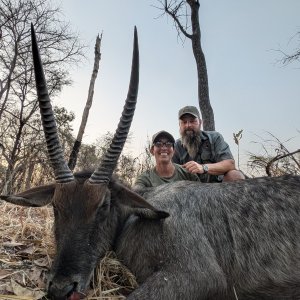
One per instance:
(191, 141)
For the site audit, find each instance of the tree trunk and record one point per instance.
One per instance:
(75, 150)
(203, 90)
(177, 9)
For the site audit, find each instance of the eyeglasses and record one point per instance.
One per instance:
(161, 144)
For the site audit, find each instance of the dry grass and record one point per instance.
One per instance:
(26, 252)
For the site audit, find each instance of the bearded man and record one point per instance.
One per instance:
(204, 153)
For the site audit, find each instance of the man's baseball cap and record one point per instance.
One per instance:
(160, 134)
(191, 110)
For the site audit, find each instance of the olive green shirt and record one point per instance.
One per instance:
(152, 179)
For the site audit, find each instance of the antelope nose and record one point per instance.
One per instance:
(61, 290)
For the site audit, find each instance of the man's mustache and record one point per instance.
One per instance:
(189, 131)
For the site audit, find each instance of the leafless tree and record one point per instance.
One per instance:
(76, 146)
(30, 165)
(59, 48)
(185, 14)
(276, 159)
(293, 55)
(128, 166)
(145, 160)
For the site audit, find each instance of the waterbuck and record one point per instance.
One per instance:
(189, 240)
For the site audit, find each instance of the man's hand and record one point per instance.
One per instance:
(193, 167)
(219, 168)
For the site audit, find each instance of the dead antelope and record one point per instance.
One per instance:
(237, 240)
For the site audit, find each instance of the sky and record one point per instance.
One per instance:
(249, 88)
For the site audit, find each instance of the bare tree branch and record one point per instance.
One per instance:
(278, 157)
(177, 9)
(59, 49)
(88, 105)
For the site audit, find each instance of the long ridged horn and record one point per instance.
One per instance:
(104, 172)
(55, 151)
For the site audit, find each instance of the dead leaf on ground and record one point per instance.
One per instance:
(42, 262)
(12, 244)
(5, 273)
(28, 250)
(38, 277)
(26, 292)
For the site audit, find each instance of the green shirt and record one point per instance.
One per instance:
(152, 179)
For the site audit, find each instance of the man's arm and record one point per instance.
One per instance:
(218, 168)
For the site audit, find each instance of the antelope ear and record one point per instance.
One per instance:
(34, 197)
(136, 204)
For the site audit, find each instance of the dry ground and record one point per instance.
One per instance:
(26, 252)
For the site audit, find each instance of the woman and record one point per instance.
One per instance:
(165, 171)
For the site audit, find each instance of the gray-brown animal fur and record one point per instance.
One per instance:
(218, 236)
(188, 241)
(241, 236)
